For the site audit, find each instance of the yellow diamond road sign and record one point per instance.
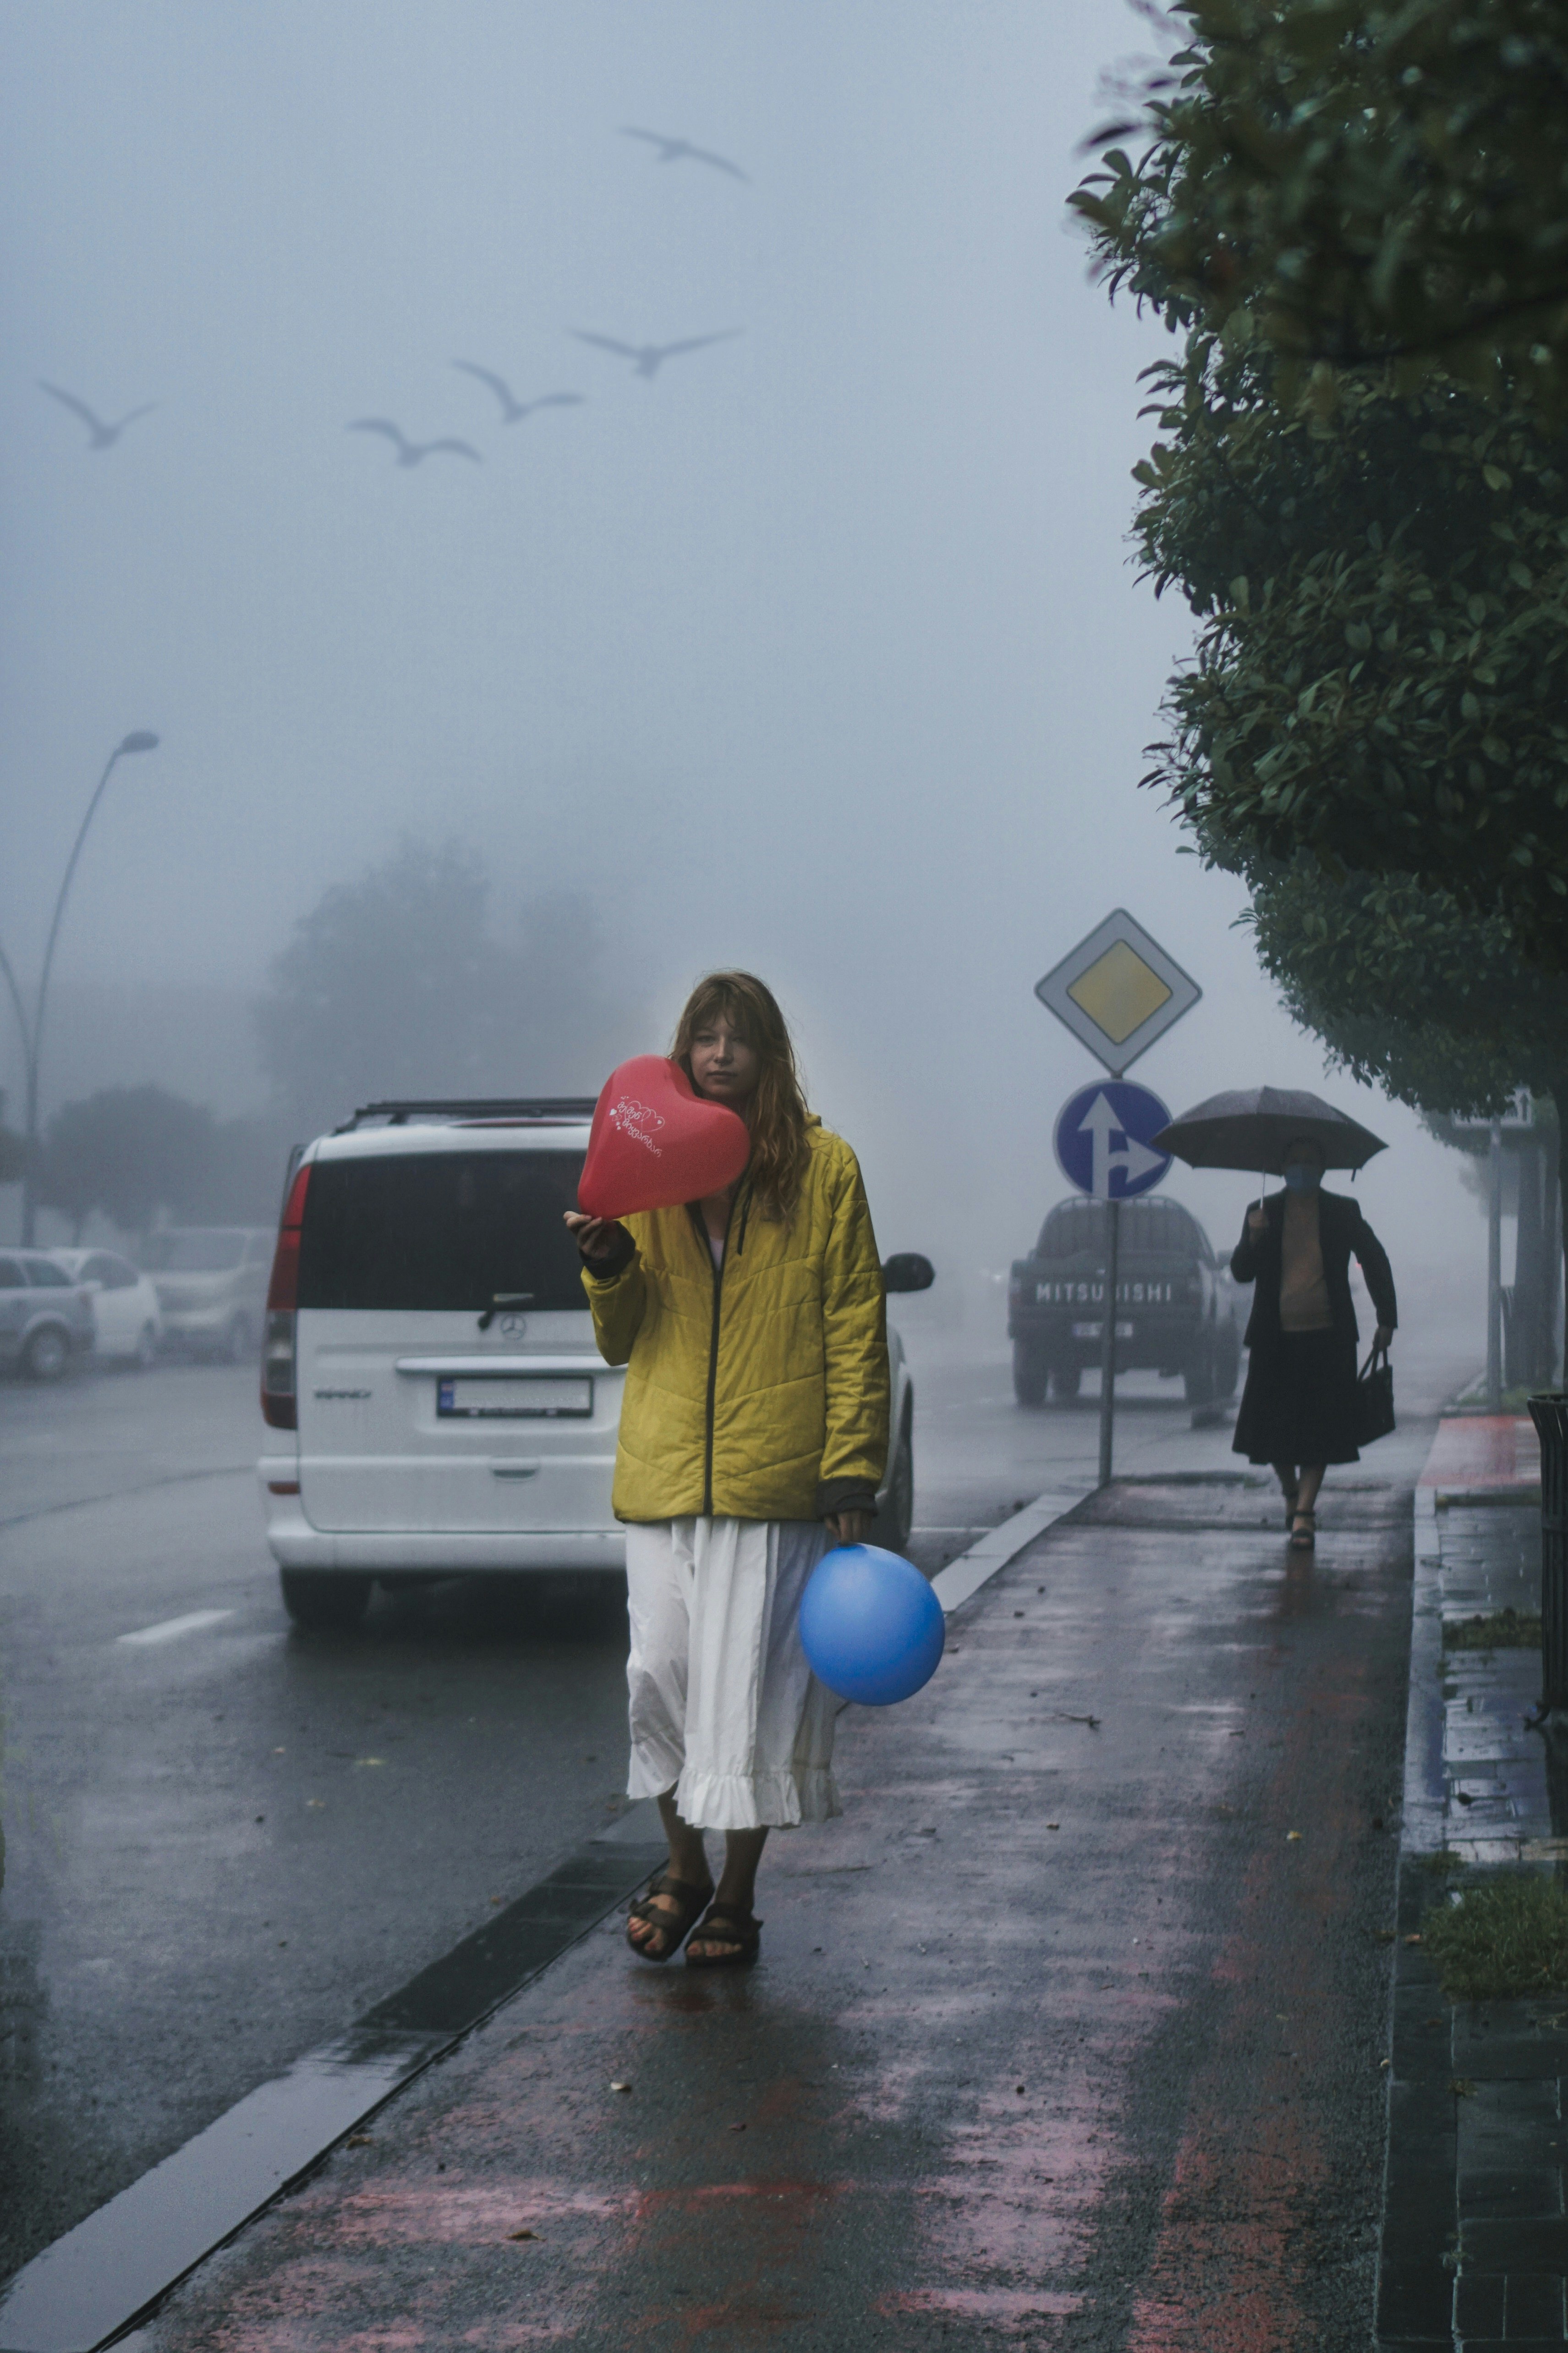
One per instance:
(1118, 991)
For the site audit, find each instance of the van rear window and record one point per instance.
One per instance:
(441, 1231)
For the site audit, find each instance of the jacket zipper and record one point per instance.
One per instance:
(716, 1269)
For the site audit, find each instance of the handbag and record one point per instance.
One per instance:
(1374, 1397)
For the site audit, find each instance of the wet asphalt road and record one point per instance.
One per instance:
(226, 1842)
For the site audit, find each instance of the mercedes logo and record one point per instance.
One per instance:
(514, 1325)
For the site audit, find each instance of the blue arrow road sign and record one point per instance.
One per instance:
(1102, 1139)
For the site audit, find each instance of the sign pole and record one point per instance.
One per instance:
(1108, 1339)
(1117, 991)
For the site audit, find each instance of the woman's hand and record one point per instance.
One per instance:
(847, 1527)
(1382, 1337)
(595, 1236)
(1256, 1219)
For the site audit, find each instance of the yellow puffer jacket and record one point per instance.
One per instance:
(756, 1391)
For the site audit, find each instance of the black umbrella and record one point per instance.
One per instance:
(1250, 1128)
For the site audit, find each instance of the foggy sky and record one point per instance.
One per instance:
(822, 653)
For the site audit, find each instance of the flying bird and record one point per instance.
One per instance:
(411, 453)
(648, 358)
(512, 409)
(681, 151)
(104, 437)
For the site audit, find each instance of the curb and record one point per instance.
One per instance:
(1419, 2229)
(1473, 2247)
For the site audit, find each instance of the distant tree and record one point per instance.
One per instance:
(128, 1152)
(1356, 180)
(240, 1182)
(394, 985)
(136, 1153)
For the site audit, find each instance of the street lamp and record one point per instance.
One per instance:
(141, 739)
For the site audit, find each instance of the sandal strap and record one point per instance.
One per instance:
(666, 1884)
(688, 1898)
(689, 1901)
(722, 1925)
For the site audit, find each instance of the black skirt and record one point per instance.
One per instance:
(1299, 1405)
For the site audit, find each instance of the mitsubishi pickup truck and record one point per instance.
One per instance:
(1178, 1311)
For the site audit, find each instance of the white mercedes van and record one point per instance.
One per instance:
(435, 1402)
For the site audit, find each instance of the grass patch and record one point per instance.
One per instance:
(1443, 1863)
(1507, 1938)
(1504, 1629)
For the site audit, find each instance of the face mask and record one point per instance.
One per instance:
(1303, 1177)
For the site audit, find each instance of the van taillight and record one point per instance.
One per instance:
(278, 1403)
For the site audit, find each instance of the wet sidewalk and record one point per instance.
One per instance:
(1068, 2034)
(1475, 2244)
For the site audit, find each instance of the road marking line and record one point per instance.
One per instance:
(169, 1630)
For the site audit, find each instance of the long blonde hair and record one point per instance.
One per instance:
(776, 1114)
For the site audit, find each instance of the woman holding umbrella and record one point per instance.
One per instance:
(1298, 1409)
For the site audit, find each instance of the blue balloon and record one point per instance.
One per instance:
(870, 1625)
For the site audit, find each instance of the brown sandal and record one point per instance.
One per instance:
(673, 1926)
(722, 1925)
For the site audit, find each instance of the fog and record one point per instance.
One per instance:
(822, 651)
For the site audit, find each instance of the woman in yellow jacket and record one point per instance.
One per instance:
(753, 1435)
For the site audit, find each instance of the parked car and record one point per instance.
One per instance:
(47, 1321)
(1178, 1310)
(211, 1283)
(434, 1396)
(125, 1304)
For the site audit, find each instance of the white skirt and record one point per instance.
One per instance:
(724, 1708)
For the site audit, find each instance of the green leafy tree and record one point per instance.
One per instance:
(1380, 574)
(1355, 218)
(1380, 674)
(1357, 181)
(1409, 992)
(395, 986)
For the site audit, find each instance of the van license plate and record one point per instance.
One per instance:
(529, 1398)
(1092, 1331)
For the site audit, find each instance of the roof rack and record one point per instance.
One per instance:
(518, 1107)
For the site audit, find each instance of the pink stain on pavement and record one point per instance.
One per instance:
(286, 2316)
(1484, 1450)
(1224, 2273)
(422, 2213)
(1010, 2306)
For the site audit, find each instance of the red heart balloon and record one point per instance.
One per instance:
(655, 1142)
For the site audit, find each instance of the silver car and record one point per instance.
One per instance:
(45, 1319)
(211, 1283)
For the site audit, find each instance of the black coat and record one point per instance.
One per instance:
(1343, 1233)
